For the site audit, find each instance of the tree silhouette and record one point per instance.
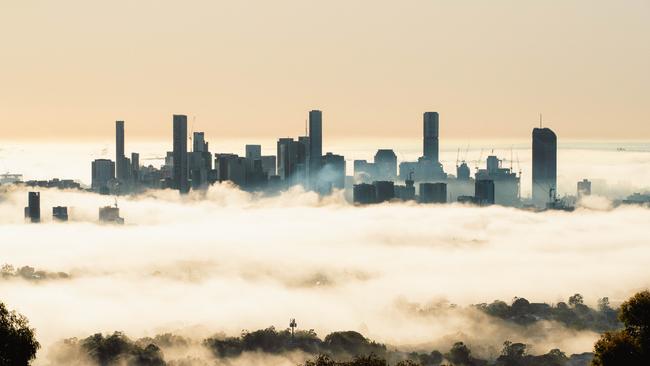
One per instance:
(630, 346)
(18, 345)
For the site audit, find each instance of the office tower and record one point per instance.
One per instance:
(293, 159)
(222, 162)
(584, 188)
(405, 192)
(269, 164)
(364, 171)
(180, 179)
(363, 193)
(119, 149)
(33, 209)
(135, 166)
(386, 164)
(433, 193)
(103, 173)
(110, 215)
(431, 127)
(315, 145)
(253, 152)
(285, 157)
(544, 166)
(506, 182)
(199, 144)
(332, 171)
(384, 190)
(484, 191)
(462, 172)
(60, 213)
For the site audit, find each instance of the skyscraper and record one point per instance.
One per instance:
(120, 158)
(103, 173)
(33, 209)
(254, 152)
(386, 165)
(315, 146)
(544, 166)
(431, 127)
(180, 179)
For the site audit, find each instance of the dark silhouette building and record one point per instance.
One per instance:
(103, 174)
(363, 193)
(484, 191)
(506, 182)
(315, 146)
(332, 172)
(584, 188)
(120, 159)
(433, 193)
(385, 165)
(110, 215)
(405, 192)
(60, 213)
(544, 166)
(431, 127)
(384, 190)
(33, 209)
(135, 166)
(180, 176)
(463, 172)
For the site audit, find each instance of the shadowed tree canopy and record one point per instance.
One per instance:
(630, 346)
(18, 344)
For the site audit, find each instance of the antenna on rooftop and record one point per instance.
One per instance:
(540, 120)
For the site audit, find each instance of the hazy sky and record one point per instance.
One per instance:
(69, 68)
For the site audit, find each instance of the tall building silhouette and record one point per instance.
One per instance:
(180, 179)
(315, 145)
(431, 127)
(120, 158)
(33, 209)
(386, 165)
(544, 165)
(103, 173)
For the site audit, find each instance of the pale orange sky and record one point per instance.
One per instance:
(69, 68)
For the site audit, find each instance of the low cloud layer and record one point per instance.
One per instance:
(227, 261)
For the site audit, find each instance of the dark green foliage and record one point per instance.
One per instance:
(269, 340)
(370, 360)
(118, 349)
(515, 354)
(18, 344)
(575, 314)
(630, 346)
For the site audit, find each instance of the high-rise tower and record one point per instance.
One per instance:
(180, 154)
(431, 126)
(544, 166)
(315, 146)
(120, 159)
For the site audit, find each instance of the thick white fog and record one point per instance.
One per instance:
(228, 261)
(225, 260)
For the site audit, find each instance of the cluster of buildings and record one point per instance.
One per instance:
(107, 214)
(301, 161)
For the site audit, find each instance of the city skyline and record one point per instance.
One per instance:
(372, 66)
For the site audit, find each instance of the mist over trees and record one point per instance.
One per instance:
(7, 271)
(18, 344)
(626, 342)
(573, 314)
